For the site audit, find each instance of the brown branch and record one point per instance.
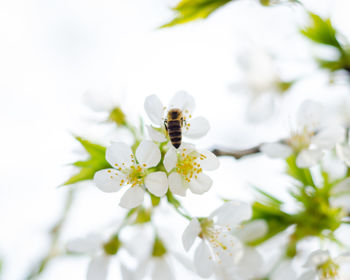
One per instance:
(237, 154)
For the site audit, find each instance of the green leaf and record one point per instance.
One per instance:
(302, 175)
(270, 199)
(189, 10)
(95, 162)
(321, 31)
(332, 65)
(276, 219)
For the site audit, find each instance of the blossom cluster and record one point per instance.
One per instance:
(141, 171)
(228, 240)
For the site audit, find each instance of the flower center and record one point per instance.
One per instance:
(328, 270)
(300, 140)
(188, 166)
(134, 175)
(212, 234)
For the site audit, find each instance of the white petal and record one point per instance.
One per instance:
(232, 213)
(155, 135)
(182, 101)
(127, 274)
(230, 249)
(119, 154)
(203, 260)
(201, 184)
(343, 258)
(133, 197)
(261, 106)
(170, 159)
(308, 275)
(190, 233)
(276, 150)
(328, 137)
(157, 183)
(209, 161)
(154, 109)
(252, 231)
(99, 101)
(176, 184)
(98, 268)
(317, 258)
(161, 269)
(183, 260)
(308, 158)
(343, 186)
(87, 245)
(284, 271)
(310, 114)
(250, 259)
(343, 152)
(108, 180)
(198, 127)
(148, 153)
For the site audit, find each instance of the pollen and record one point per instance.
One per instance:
(188, 165)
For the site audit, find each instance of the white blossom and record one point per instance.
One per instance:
(132, 170)
(218, 246)
(311, 138)
(260, 82)
(186, 166)
(193, 127)
(92, 245)
(321, 266)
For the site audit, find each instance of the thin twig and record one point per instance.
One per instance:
(55, 234)
(237, 154)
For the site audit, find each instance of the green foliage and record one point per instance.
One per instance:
(96, 161)
(321, 31)
(189, 10)
(276, 219)
(303, 175)
(315, 217)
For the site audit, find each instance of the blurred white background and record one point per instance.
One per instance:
(53, 51)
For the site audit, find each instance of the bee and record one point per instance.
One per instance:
(173, 125)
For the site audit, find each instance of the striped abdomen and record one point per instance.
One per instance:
(174, 130)
(174, 126)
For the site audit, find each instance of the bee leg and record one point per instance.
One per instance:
(183, 122)
(166, 125)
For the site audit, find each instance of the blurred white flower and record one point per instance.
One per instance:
(224, 248)
(158, 263)
(158, 268)
(186, 165)
(261, 83)
(132, 170)
(193, 128)
(340, 195)
(284, 271)
(92, 245)
(310, 139)
(106, 103)
(322, 267)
